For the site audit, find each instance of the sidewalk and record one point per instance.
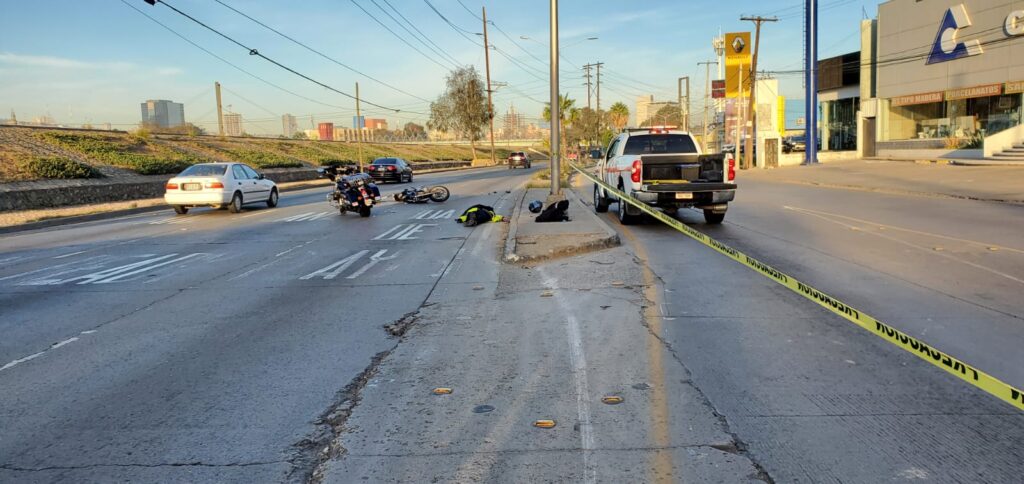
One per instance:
(986, 183)
(529, 241)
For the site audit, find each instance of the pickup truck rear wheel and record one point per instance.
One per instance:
(600, 202)
(625, 218)
(713, 218)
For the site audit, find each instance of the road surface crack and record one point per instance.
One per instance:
(11, 467)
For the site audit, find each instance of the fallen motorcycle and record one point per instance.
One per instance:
(355, 192)
(423, 194)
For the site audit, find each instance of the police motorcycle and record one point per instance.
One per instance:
(423, 194)
(352, 191)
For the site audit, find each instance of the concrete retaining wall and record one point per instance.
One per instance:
(64, 193)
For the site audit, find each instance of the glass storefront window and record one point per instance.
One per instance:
(918, 121)
(841, 124)
(960, 118)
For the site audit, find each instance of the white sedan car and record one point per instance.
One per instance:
(221, 185)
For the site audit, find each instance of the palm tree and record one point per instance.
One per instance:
(567, 113)
(619, 115)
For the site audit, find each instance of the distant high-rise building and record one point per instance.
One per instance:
(376, 123)
(233, 124)
(326, 131)
(514, 123)
(289, 125)
(163, 114)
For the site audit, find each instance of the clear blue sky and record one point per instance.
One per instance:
(96, 60)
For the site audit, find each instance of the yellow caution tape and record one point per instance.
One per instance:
(952, 365)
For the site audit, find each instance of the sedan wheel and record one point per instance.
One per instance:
(272, 201)
(236, 203)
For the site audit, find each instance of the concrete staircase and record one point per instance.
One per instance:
(1014, 153)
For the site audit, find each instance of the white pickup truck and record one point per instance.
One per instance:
(664, 167)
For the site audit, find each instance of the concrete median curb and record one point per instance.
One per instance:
(528, 241)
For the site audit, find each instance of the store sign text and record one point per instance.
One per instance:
(925, 98)
(1014, 24)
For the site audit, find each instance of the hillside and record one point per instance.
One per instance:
(32, 154)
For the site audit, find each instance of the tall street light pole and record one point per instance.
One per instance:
(490, 99)
(556, 116)
(684, 110)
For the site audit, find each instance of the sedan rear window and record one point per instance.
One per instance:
(646, 144)
(385, 161)
(204, 170)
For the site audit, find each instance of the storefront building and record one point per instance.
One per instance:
(839, 101)
(948, 78)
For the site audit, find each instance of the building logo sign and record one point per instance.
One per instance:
(947, 47)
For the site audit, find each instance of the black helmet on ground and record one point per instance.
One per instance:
(536, 206)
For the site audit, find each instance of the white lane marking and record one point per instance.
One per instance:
(928, 250)
(389, 231)
(58, 266)
(21, 360)
(69, 255)
(172, 221)
(902, 229)
(434, 214)
(146, 268)
(319, 216)
(15, 258)
(415, 229)
(443, 214)
(254, 214)
(295, 218)
(374, 259)
(62, 343)
(579, 370)
(403, 232)
(332, 271)
(52, 347)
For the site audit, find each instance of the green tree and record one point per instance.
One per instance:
(462, 108)
(299, 135)
(567, 114)
(666, 116)
(619, 115)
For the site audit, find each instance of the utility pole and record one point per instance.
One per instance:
(811, 82)
(587, 67)
(738, 113)
(600, 117)
(758, 20)
(490, 102)
(707, 96)
(556, 185)
(220, 110)
(359, 130)
(684, 110)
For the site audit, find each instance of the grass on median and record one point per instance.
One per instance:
(542, 179)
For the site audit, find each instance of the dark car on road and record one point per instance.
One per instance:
(518, 158)
(390, 169)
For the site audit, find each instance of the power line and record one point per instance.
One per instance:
(253, 51)
(317, 52)
(254, 76)
(429, 44)
(399, 37)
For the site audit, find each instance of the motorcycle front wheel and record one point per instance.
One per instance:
(439, 194)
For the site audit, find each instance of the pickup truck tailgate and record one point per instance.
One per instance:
(682, 168)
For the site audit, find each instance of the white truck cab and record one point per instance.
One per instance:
(664, 167)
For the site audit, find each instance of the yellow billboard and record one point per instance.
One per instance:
(737, 59)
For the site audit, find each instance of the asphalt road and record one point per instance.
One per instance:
(814, 398)
(212, 346)
(253, 347)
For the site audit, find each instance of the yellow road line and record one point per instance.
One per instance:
(661, 465)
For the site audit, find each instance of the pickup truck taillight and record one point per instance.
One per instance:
(634, 172)
(732, 169)
(171, 186)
